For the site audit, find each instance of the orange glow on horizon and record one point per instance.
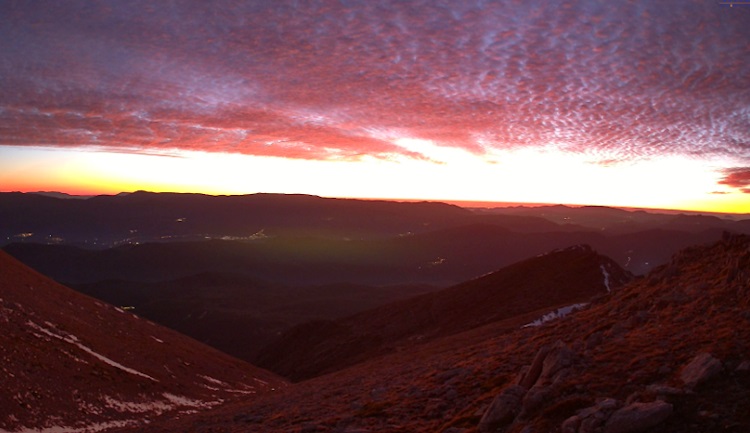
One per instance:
(523, 176)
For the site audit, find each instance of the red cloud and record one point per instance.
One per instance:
(738, 177)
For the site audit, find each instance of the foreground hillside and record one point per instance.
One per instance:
(560, 279)
(73, 364)
(667, 353)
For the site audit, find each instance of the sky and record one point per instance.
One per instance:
(634, 103)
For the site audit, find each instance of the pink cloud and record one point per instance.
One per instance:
(617, 82)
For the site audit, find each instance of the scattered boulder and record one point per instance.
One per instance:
(503, 409)
(521, 376)
(664, 390)
(535, 370)
(702, 368)
(638, 417)
(560, 357)
(534, 399)
(531, 388)
(590, 419)
(547, 363)
(571, 424)
(592, 424)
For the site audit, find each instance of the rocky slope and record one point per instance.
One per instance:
(667, 353)
(73, 364)
(540, 284)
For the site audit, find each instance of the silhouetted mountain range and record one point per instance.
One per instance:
(105, 221)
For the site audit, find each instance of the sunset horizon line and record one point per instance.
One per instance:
(468, 204)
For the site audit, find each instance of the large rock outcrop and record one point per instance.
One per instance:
(638, 417)
(702, 368)
(503, 409)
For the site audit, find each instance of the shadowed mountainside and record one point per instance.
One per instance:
(668, 353)
(239, 315)
(557, 279)
(72, 363)
(441, 258)
(324, 240)
(139, 217)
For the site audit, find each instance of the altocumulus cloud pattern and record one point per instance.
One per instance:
(617, 81)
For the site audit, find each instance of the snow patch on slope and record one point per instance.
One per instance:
(184, 401)
(225, 386)
(212, 380)
(556, 314)
(606, 278)
(72, 339)
(91, 428)
(158, 407)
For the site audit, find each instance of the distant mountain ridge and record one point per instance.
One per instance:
(106, 221)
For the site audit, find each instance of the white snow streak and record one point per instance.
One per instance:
(74, 341)
(158, 407)
(227, 387)
(606, 278)
(184, 401)
(212, 380)
(91, 428)
(556, 314)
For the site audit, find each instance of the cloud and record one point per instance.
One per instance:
(617, 82)
(738, 177)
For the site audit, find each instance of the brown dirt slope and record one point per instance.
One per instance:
(71, 363)
(667, 353)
